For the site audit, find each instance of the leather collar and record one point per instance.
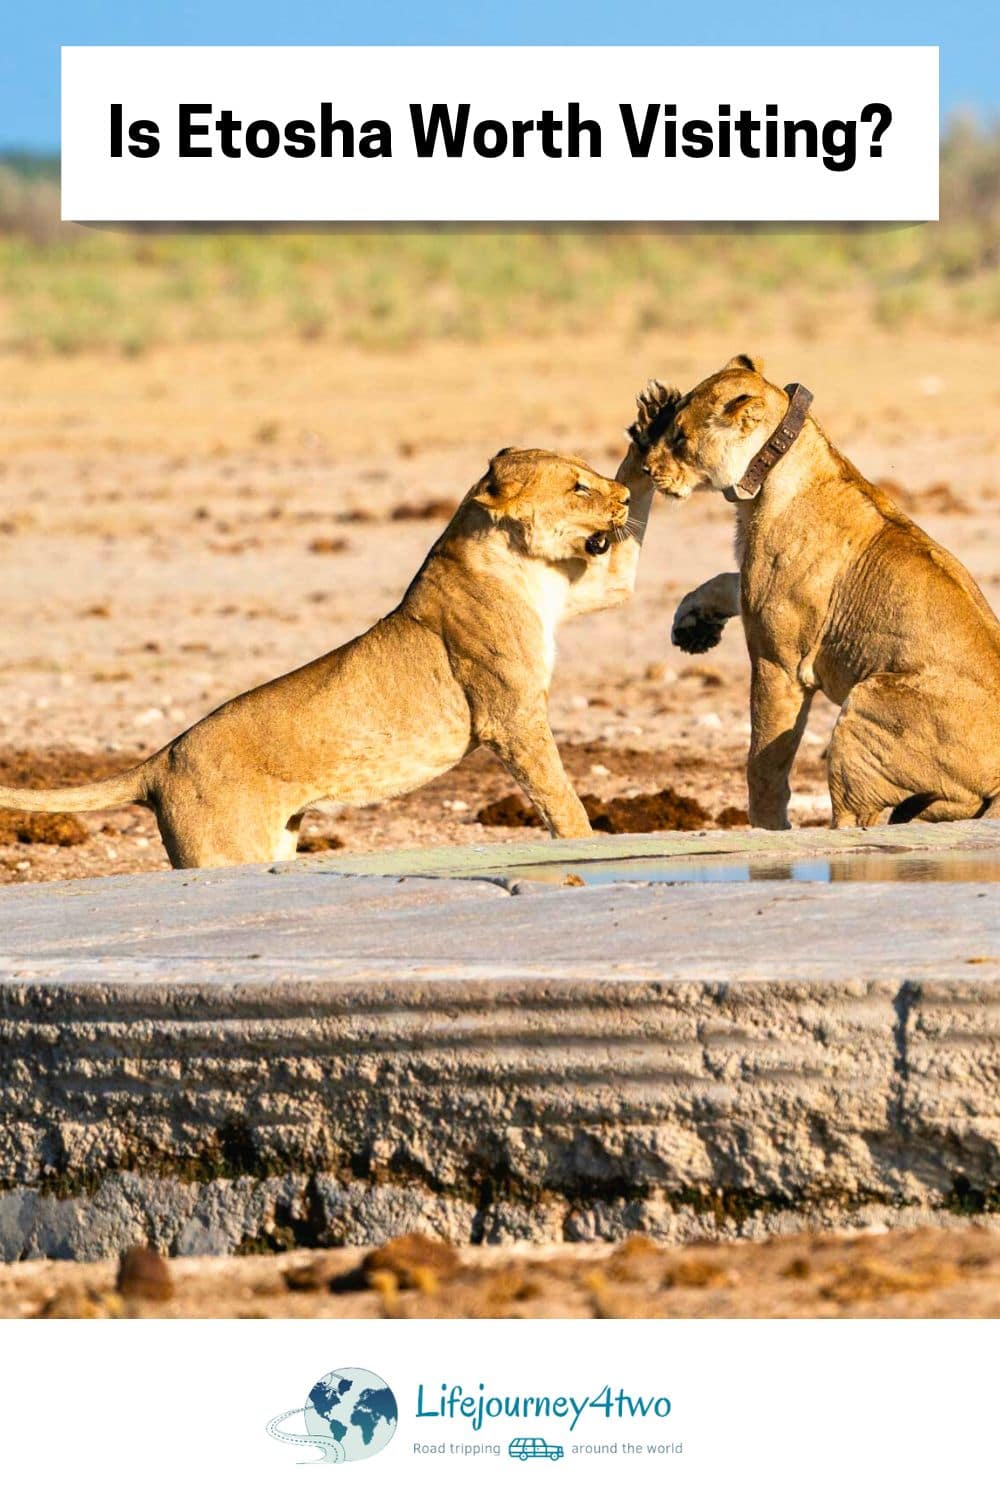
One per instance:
(776, 447)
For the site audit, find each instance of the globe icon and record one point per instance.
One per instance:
(352, 1410)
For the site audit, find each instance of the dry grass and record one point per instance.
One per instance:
(64, 289)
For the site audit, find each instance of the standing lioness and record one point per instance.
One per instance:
(466, 659)
(839, 591)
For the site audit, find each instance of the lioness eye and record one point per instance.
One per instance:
(581, 488)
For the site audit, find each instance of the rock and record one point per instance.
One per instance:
(315, 1056)
(144, 1275)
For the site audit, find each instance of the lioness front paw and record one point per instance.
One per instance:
(695, 632)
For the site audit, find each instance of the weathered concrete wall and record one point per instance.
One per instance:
(240, 1059)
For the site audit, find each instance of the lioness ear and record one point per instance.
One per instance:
(744, 411)
(497, 487)
(746, 362)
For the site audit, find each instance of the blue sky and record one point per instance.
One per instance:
(33, 33)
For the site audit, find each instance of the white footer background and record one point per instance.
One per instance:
(846, 1408)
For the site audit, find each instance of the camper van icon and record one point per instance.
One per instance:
(533, 1447)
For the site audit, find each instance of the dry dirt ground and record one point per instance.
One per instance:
(946, 1273)
(178, 527)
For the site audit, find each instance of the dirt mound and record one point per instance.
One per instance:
(357, 515)
(423, 510)
(324, 544)
(649, 812)
(318, 843)
(62, 829)
(508, 812)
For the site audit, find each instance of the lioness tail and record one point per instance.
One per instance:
(130, 786)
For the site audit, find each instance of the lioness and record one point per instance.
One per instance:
(839, 591)
(466, 659)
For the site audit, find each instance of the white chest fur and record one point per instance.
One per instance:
(548, 590)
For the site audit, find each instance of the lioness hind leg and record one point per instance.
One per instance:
(866, 746)
(200, 837)
(887, 756)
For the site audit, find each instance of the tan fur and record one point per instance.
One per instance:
(466, 659)
(840, 592)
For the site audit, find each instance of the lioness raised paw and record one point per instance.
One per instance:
(701, 616)
(696, 633)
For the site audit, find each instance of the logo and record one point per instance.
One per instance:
(349, 1414)
(533, 1447)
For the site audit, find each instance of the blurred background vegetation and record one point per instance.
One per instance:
(64, 288)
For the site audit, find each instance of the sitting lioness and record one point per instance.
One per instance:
(839, 591)
(466, 659)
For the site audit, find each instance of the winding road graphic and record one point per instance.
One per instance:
(332, 1451)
